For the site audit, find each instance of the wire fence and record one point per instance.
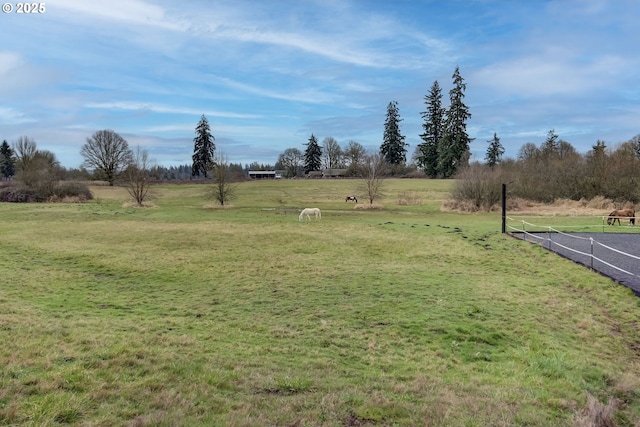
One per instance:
(613, 254)
(596, 224)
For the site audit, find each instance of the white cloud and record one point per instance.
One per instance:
(11, 116)
(125, 11)
(9, 61)
(308, 95)
(546, 75)
(156, 108)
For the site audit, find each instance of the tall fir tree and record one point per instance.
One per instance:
(393, 147)
(596, 166)
(635, 143)
(312, 155)
(549, 148)
(433, 127)
(7, 160)
(203, 149)
(494, 151)
(453, 148)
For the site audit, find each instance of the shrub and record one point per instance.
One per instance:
(17, 194)
(478, 185)
(67, 190)
(73, 190)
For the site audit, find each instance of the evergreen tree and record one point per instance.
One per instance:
(433, 125)
(393, 148)
(549, 147)
(203, 150)
(453, 148)
(312, 155)
(635, 142)
(7, 161)
(494, 151)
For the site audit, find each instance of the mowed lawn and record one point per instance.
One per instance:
(188, 314)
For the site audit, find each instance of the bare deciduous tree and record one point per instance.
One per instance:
(107, 153)
(25, 150)
(354, 153)
(38, 170)
(292, 161)
(332, 153)
(373, 171)
(224, 189)
(479, 184)
(138, 175)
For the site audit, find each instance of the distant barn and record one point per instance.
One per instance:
(264, 175)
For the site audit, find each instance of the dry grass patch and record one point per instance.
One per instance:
(454, 205)
(368, 206)
(409, 199)
(565, 207)
(594, 207)
(597, 414)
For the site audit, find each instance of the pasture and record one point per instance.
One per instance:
(187, 314)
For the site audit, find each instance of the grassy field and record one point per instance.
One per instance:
(188, 314)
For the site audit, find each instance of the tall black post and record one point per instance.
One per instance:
(504, 208)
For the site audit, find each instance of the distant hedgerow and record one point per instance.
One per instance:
(18, 195)
(66, 190)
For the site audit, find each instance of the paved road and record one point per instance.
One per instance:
(597, 250)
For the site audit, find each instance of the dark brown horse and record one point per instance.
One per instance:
(622, 213)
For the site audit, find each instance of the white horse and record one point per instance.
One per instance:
(308, 212)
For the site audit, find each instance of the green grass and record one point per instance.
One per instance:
(189, 314)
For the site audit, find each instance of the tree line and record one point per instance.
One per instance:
(552, 170)
(31, 174)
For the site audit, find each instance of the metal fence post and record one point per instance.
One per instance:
(504, 208)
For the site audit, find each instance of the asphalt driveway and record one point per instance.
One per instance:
(615, 255)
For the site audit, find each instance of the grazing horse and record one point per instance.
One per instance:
(622, 213)
(351, 198)
(308, 212)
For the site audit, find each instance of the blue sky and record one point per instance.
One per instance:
(267, 74)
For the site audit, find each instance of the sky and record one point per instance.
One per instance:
(267, 74)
